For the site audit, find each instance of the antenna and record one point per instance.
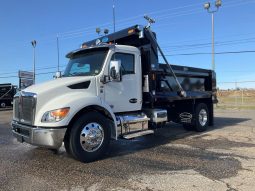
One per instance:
(150, 21)
(113, 16)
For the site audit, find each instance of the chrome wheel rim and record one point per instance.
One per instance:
(203, 117)
(92, 137)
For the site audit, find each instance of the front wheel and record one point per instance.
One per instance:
(89, 137)
(202, 117)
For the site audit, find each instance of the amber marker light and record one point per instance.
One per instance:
(131, 31)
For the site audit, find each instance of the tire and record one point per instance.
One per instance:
(87, 148)
(201, 117)
(66, 143)
(188, 127)
(55, 151)
(3, 105)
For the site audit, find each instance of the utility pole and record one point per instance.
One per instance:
(207, 6)
(34, 45)
(113, 14)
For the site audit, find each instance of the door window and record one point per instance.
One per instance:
(127, 62)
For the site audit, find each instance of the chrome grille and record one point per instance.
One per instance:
(16, 108)
(24, 108)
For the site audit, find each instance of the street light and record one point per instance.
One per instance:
(58, 50)
(34, 45)
(207, 6)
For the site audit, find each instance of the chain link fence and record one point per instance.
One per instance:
(241, 95)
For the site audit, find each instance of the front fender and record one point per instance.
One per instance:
(109, 109)
(76, 102)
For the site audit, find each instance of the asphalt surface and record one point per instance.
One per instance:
(222, 158)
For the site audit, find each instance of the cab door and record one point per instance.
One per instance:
(125, 95)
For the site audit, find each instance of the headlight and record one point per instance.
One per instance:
(55, 115)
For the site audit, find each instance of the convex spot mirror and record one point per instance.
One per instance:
(115, 72)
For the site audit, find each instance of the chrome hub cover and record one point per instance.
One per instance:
(92, 137)
(203, 117)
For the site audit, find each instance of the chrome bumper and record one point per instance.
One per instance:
(51, 138)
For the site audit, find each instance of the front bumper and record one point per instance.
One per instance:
(45, 137)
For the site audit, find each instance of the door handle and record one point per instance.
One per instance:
(133, 100)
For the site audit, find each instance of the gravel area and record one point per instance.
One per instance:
(222, 158)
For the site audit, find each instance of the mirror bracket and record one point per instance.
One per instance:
(105, 79)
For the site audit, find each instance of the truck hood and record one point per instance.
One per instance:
(57, 84)
(54, 90)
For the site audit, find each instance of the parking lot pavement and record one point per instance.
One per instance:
(222, 158)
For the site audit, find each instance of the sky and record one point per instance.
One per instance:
(183, 30)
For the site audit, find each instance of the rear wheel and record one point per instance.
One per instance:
(201, 117)
(188, 127)
(89, 137)
(3, 105)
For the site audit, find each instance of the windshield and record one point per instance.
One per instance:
(86, 63)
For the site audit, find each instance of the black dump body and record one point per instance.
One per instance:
(7, 91)
(196, 82)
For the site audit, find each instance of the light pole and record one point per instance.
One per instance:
(207, 6)
(34, 45)
(58, 51)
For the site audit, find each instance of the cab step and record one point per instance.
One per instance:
(137, 134)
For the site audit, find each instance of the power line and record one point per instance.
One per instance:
(79, 32)
(209, 43)
(204, 45)
(8, 77)
(164, 16)
(207, 53)
(200, 39)
(185, 54)
(239, 71)
(126, 19)
(41, 68)
(43, 73)
(238, 82)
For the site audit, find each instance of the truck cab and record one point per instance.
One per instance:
(113, 87)
(7, 91)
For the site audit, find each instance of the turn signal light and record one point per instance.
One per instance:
(55, 115)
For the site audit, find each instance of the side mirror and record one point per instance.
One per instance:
(115, 72)
(58, 74)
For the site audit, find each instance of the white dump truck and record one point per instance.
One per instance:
(113, 87)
